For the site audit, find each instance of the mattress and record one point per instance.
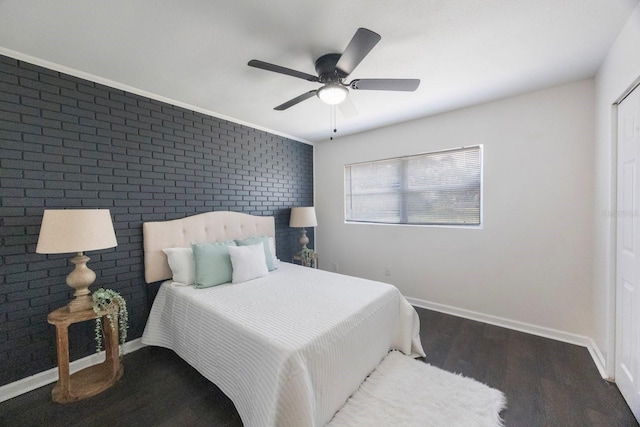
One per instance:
(288, 349)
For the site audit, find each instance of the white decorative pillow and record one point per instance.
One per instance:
(249, 262)
(182, 265)
(272, 246)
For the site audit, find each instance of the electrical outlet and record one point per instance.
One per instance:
(335, 267)
(387, 271)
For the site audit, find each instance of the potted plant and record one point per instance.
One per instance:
(306, 257)
(110, 303)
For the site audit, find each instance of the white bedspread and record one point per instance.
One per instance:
(289, 348)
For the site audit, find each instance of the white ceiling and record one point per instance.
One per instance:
(195, 52)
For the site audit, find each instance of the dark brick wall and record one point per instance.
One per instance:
(71, 143)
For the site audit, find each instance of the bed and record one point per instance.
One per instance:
(288, 348)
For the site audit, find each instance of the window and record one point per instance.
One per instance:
(441, 188)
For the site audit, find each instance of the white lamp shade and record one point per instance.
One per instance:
(75, 230)
(332, 93)
(303, 217)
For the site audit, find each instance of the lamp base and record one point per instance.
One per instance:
(304, 240)
(80, 279)
(80, 304)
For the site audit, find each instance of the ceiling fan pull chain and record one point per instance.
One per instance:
(331, 107)
(332, 121)
(333, 113)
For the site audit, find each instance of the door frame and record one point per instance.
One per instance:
(610, 366)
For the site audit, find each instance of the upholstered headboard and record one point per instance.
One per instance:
(202, 228)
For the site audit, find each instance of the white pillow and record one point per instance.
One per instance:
(248, 262)
(182, 265)
(272, 247)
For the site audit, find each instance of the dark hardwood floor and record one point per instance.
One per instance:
(547, 383)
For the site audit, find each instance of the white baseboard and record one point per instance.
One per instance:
(49, 376)
(599, 360)
(33, 382)
(515, 325)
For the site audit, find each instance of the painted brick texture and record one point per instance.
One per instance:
(66, 142)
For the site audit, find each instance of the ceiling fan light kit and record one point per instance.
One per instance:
(333, 68)
(332, 93)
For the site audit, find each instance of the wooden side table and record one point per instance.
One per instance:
(297, 257)
(94, 379)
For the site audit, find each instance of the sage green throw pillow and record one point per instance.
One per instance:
(265, 243)
(213, 263)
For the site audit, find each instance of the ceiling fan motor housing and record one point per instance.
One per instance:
(326, 68)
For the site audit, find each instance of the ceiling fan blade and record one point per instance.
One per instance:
(296, 100)
(347, 108)
(360, 45)
(282, 70)
(408, 85)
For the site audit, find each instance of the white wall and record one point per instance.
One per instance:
(531, 261)
(618, 72)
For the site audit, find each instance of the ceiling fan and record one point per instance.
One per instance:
(333, 68)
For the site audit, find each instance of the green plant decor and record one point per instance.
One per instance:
(110, 303)
(306, 257)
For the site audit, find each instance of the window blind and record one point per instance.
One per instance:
(440, 188)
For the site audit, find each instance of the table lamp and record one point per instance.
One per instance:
(303, 217)
(77, 230)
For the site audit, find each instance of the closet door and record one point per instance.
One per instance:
(627, 359)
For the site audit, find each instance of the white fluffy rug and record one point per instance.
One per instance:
(407, 392)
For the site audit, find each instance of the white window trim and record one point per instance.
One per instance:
(479, 226)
